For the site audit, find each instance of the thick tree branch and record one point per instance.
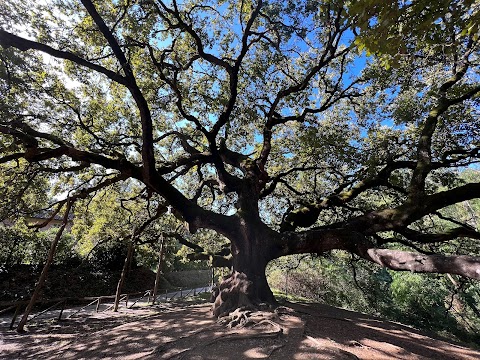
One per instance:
(192, 213)
(231, 182)
(307, 215)
(112, 42)
(449, 197)
(328, 55)
(161, 209)
(424, 151)
(18, 124)
(234, 71)
(221, 259)
(148, 155)
(11, 157)
(440, 237)
(468, 266)
(319, 241)
(191, 31)
(10, 40)
(400, 217)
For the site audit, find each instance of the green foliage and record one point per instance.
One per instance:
(14, 243)
(21, 192)
(393, 29)
(342, 88)
(182, 263)
(22, 245)
(329, 279)
(419, 300)
(109, 257)
(429, 302)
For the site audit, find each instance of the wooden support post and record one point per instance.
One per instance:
(61, 310)
(159, 269)
(17, 311)
(126, 265)
(98, 304)
(46, 267)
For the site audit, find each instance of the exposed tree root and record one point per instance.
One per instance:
(245, 323)
(231, 337)
(249, 326)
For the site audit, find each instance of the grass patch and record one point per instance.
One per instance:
(280, 296)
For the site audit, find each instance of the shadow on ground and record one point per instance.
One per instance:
(312, 331)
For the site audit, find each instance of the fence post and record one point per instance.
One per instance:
(98, 304)
(17, 310)
(126, 301)
(61, 310)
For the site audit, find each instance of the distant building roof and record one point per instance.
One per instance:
(45, 214)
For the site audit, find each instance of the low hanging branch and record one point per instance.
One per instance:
(464, 265)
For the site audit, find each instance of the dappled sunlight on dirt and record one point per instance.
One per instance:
(309, 331)
(370, 338)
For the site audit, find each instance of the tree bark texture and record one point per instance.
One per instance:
(246, 286)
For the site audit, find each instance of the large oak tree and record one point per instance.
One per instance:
(285, 126)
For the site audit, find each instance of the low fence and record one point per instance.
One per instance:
(61, 303)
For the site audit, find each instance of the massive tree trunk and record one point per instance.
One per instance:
(253, 267)
(246, 286)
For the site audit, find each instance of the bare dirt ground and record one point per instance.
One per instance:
(188, 331)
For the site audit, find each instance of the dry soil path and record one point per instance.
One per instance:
(173, 331)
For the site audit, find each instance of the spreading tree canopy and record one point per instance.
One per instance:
(285, 127)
